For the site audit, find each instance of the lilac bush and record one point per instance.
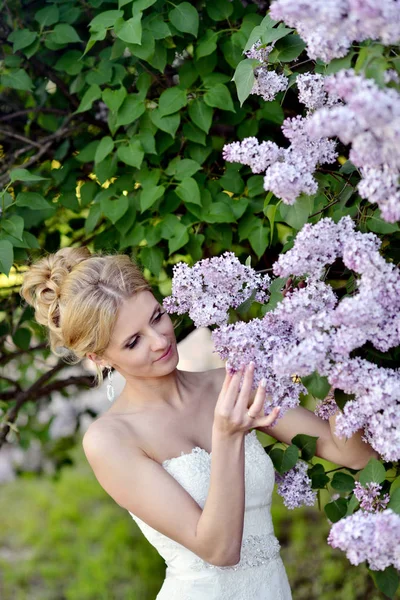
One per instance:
(295, 487)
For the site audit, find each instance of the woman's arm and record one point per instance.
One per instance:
(347, 452)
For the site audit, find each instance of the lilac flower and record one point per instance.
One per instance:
(295, 487)
(267, 84)
(208, 289)
(312, 91)
(369, 120)
(257, 341)
(372, 537)
(376, 406)
(259, 51)
(370, 497)
(330, 26)
(327, 407)
(315, 247)
(249, 152)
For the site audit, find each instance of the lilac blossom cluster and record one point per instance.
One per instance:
(326, 331)
(266, 83)
(369, 496)
(326, 408)
(294, 487)
(213, 285)
(330, 26)
(288, 171)
(258, 341)
(368, 118)
(366, 536)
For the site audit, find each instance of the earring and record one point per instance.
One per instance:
(110, 387)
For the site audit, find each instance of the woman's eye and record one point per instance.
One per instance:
(133, 344)
(158, 317)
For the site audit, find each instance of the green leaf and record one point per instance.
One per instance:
(244, 78)
(287, 49)
(18, 80)
(114, 209)
(219, 212)
(183, 168)
(171, 101)
(318, 477)
(152, 258)
(150, 195)
(139, 5)
(259, 238)
(169, 123)
(219, 97)
(201, 114)
(284, 460)
(22, 38)
(6, 256)
(24, 175)
(188, 191)
(32, 200)
(132, 154)
(64, 34)
(70, 62)
(343, 482)
(158, 27)
(114, 98)
(317, 386)
(307, 444)
(194, 134)
(131, 109)
(336, 509)
(14, 225)
(219, 10)
(91, 94)
(207, 45)
(106, 145)
(376, 224)
(184, 17)
(105, 19)
(22, 338)
(394, 502)
(101, 73)
(47, 16)
(296, 215)
(130, 31)
(178, 240)
(373, 472)
(387, 581)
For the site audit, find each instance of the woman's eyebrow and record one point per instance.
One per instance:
(134, 334)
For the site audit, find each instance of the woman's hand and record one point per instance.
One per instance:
(232, 414)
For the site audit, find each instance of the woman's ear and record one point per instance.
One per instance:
(96, 359)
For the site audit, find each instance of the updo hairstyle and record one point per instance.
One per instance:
(76, 295)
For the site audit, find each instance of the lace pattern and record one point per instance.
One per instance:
(256, 550)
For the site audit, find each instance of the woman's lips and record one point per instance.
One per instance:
(166, 355)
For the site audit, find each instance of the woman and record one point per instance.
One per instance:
(177, 449)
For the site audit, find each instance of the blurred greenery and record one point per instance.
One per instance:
(57, 544)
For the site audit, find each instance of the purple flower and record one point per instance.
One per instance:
(258, 341)
(330, 26)
(327, 407)
(372, 537)
(370, 497)
(267, 84)
(295, 487)
(213, 285)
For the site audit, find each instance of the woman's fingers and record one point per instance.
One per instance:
(247, 384)
(259, 399)
(269, 419)
(228, 397)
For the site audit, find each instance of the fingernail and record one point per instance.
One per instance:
(278, 408)
(251, 363)
(263, 382)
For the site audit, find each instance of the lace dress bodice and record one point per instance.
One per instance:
(260, 574)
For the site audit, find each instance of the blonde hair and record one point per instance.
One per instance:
(76, 295)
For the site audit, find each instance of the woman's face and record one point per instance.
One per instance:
(143, 341)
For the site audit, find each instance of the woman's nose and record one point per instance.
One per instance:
(158, 342)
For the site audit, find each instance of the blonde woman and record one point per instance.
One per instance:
(176, 449)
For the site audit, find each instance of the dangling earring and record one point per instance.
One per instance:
(110, 388)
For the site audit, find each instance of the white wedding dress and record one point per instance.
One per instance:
(260, 574)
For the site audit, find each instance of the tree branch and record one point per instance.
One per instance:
(20, 113)
(19, 137)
